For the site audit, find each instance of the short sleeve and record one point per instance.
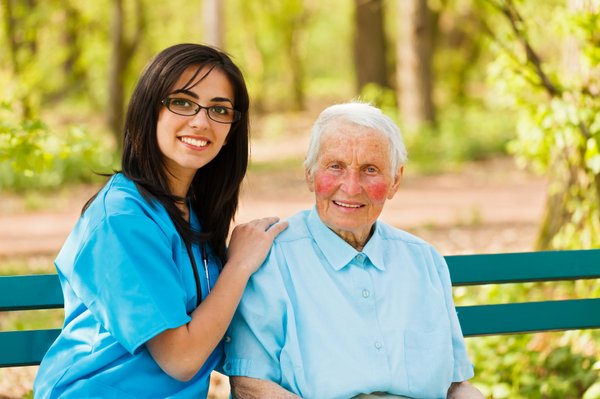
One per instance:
(256, 335)
(463, 368)
(125, 274)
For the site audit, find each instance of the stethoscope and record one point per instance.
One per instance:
(204, 254)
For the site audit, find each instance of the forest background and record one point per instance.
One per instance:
(467, 80)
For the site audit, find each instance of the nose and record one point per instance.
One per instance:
(200, 120)
(351, 183)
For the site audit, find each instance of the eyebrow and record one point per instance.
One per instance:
(195, 96)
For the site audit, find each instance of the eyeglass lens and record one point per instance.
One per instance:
(217, 113)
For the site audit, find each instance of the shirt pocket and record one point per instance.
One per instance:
(429, 362)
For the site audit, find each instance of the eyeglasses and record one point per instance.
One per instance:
(217, 113)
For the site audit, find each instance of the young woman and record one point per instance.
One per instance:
(144, 310)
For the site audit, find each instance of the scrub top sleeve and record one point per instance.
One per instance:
(126, 275)
(256, 335)
(463, 369)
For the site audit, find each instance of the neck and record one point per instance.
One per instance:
(179, 180)
(179, 187)
(357, 240)
(185, 210)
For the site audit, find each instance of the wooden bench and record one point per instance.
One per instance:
(22, 348)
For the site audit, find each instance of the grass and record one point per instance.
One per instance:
(26, 265)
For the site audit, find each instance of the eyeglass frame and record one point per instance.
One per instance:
(237, 115)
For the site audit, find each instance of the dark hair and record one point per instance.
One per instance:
(215, 188)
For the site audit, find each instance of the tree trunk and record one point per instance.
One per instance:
(414, 69)
(21, 34)
(116, 74)
(122, 52)
(71, 39)
(214, 23)
(292, 35)
(556, 215)
(10, 32)
(74, 74)
(370, 44)
(297, 69)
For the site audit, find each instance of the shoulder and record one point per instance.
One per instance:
(290, 241)
(120, 206)
(399, 238)
(297, 229)
(121, 197)
(391, 233)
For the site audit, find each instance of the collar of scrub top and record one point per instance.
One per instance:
(337, 251)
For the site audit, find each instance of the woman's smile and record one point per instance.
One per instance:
(194, 143)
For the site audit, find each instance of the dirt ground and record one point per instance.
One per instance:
(489, 206)
(486, 207)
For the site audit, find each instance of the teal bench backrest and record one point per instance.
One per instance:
(24, 348)
(21, 348)
(527, 267)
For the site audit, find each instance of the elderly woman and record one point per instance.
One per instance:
(346, 305)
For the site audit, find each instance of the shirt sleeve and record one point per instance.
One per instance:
(463, 368)
(256, 335)
(125, 274)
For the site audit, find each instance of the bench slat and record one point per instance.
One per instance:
(25, 348)
(30, 292)
(529, 317)
(524, 267)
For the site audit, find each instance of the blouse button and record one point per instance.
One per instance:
(366, 293)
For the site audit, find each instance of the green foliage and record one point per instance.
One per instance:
(269, 36)
(561, 365)
(513, 367)
(463, 133)
(382, 97)
(33, 157)
(557, 102)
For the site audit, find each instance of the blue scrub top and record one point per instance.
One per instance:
(126, 277)
(326, 321)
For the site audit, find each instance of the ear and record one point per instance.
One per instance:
(310, 180)
(396, 184)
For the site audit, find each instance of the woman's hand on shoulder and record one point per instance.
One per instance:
(250, 242)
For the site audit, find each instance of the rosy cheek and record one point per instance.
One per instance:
(325, 184)
(377, 191)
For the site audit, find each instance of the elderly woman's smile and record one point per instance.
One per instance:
(352, 180)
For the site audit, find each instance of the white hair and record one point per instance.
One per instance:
(360, 114)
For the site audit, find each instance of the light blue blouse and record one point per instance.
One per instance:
(126, 277)
(325, 321)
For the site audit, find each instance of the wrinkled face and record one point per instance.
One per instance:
(352, 178)
(190, 142)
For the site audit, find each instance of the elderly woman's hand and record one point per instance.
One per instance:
(463, 390)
